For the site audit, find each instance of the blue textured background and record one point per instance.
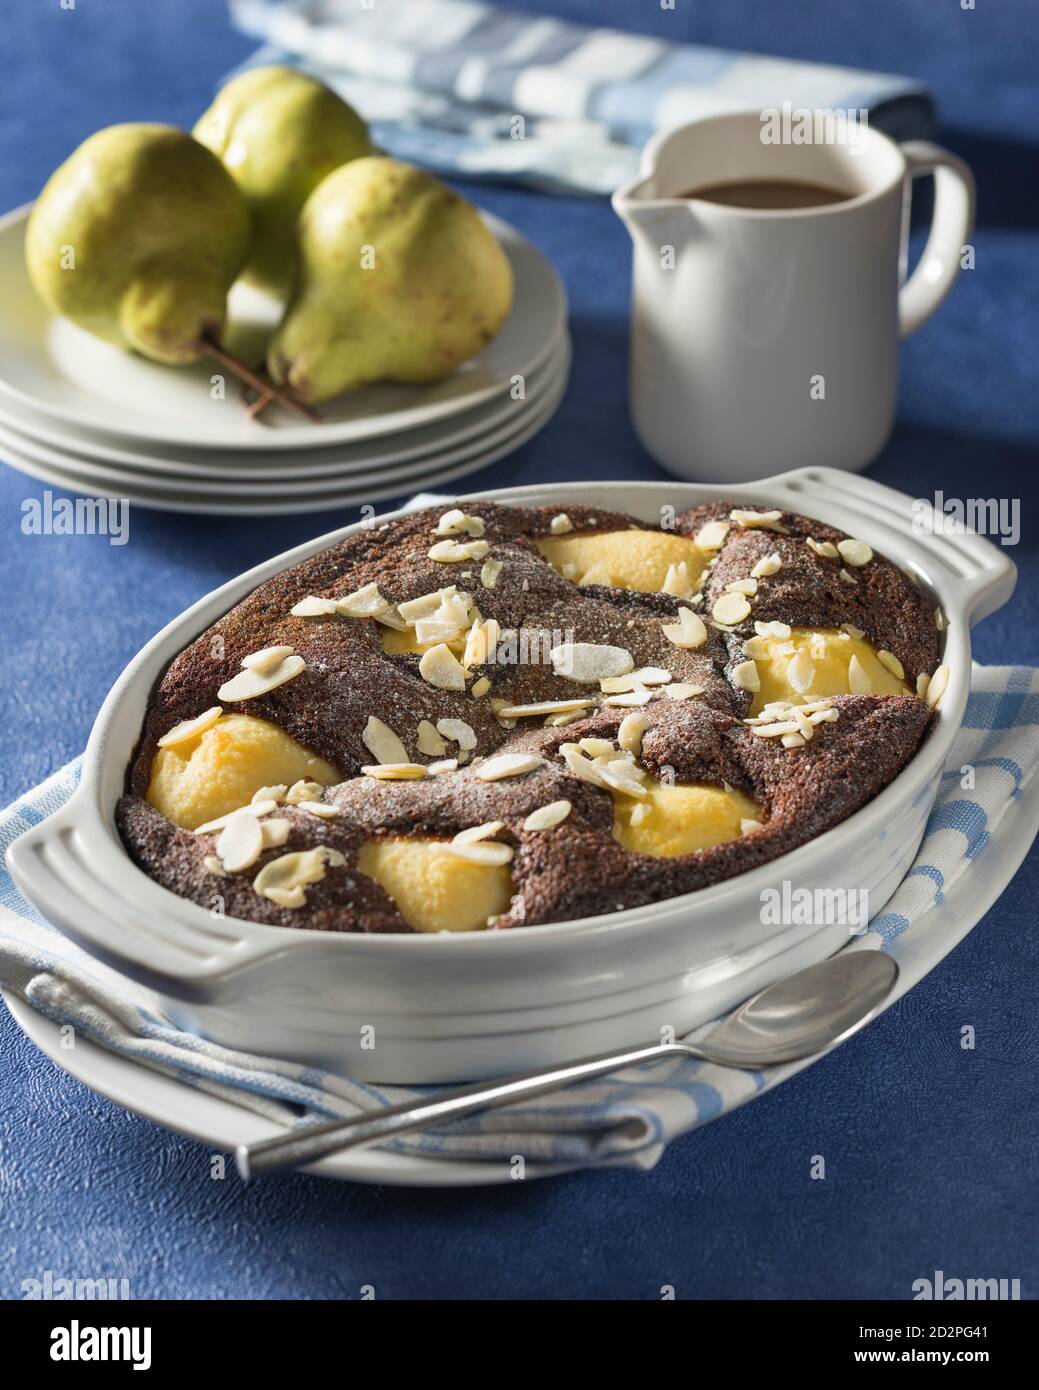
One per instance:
(931, 1151)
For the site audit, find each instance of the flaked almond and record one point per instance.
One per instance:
(477, 844)
(847, 578)
(190, 728)
(284, 880)
(795, 740)
(481, 643)
(395, 772)
(255, 808)
(250, 683)
(303, 791)
(758, 521)
(629, 735)
(324, 810)
(711, 536)
(850, 630)
(742, 586)
(767, 566)
(780, 630)
(682, 690)
(597, 747)
(780, 728)
(826, 549)
(640, 813)
(507, 765)
(507, 711)
(445, 765)
(678, 581)
(429, 741)
(560, 524)
(891, 663)
(365, 602)
(240, 841)
(622, 776)
(582, 766)
(730, 609)
(545, 817)
(458, 731)
(589, 662)
(800, 672)
(429, 631)
(279, 792)
(923, 680)
(631, 699)
(382, 742)
(859, 682)
(480, 688)
(855, 553)
(425, 605)
(456, 522)
(937, 686)
(645, 675)
(440, 667)
(490, 852)
(490, 572)
(823, 716)
(690, 631)
(748, 825)
(275, 831)
(745, 676)
(455, 552)
(314, 607)
(564, 717)
(805, 727)
(267, 660)
(212, 865)
(391, 618)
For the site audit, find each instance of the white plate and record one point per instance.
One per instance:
(242, 502)
(222, 1125)
(242, 487)
(91, 474)
(335, 459)
(50, 365)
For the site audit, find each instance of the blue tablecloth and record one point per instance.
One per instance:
(930, 1149)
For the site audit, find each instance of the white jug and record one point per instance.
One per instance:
(763, 340)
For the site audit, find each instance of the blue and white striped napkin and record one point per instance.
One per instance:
(471, 90)
(626, 1119)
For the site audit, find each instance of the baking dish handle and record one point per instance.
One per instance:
(70, 869)
(977, 575)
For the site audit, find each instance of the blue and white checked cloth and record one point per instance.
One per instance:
(442, 83)
(625, 1119)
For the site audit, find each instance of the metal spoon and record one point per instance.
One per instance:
(810, 1011)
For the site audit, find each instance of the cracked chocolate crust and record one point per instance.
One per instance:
(575, 869)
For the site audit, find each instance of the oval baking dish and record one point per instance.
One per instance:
(433, 1008)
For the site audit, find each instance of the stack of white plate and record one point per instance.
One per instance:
(87, 416)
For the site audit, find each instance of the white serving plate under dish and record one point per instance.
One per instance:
(456, 1007)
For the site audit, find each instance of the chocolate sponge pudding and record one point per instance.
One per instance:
(496, 717)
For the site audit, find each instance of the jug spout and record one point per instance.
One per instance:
(651, 219)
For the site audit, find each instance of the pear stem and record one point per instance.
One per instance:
(266, 389)
(256, 407)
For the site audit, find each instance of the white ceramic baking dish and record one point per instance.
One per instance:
(451, 1007)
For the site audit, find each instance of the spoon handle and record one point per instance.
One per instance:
(314, 1142)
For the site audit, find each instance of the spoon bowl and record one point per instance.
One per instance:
(816, 1008)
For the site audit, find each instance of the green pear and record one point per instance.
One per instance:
(137, 238)
(279, 132)
(399, 280)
